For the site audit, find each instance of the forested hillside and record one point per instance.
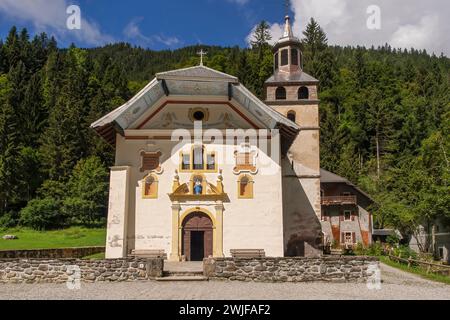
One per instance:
(385, 118)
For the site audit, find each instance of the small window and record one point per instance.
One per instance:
(211, 162)
(199, 115)
(303, 93)
(291, 116)
(294, 57)
(284, 57)
(347, 215)
(276, 61)
(150, 187)
(198, 158)
(245, 187)
(348, 238)
(280, 93)
(186, 162)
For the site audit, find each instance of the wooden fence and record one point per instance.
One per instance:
(430, 267)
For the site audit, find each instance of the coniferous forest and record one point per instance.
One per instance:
(385, 119)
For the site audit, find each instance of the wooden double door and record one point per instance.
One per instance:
(197, 240)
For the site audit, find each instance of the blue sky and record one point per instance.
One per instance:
(170, 24)
(150, 23)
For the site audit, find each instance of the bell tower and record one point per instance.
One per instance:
(293, 93)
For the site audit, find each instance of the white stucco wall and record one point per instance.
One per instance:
(247, 224)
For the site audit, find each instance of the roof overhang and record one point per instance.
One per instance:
(189, 84)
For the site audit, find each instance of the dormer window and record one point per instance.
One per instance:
(280, 93)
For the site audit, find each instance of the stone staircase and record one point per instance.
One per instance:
(183, 271)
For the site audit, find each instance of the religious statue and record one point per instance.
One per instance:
(198, 188)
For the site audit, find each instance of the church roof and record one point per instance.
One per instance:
(198, 73)
(194, 81)
(300, 77)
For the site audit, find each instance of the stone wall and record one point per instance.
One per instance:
(62, 271)
(331, 269)
(64, 253)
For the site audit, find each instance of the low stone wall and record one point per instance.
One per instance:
(62, 271)
(331, 269)
(63, 253)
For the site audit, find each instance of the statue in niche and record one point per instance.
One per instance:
(198, 188)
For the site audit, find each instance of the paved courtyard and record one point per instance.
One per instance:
(396, 285)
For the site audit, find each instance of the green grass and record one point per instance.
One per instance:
(416, 270)
(68, 238)
(97, 256)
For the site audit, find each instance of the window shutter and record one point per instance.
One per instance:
(342, 237)
(354, 237)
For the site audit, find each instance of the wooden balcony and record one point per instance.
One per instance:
(339, 200)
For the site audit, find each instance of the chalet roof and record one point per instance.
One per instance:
(194, 81)
(280, 77)
(329, 177)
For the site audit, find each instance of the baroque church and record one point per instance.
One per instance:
(205, 168)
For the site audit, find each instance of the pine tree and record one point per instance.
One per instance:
(314, 42)
(9, 148)
(12, 48)
(35, 113)
(3, 58)
(64, 141)
(261, 38)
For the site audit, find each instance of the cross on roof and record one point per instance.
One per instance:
(202, 53)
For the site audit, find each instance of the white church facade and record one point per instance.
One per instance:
(203, 167)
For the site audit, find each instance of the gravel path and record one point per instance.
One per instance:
(396, 285)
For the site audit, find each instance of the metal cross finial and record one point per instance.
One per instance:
(287, 4)
(202, 53)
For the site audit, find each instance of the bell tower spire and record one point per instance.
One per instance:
(287, 28)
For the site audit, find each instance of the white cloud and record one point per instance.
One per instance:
(404, 23)
(133, 32)
(240, 2)
(417, 35)
(51, 17)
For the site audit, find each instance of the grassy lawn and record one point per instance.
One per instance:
(416, 270)
(98, 256)
(68, 238)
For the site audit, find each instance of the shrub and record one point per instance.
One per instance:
(43, 214)
(393, 240)
(404, 252)
(375, 249)
(8, 221)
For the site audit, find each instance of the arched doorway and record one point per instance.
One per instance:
(197, 241)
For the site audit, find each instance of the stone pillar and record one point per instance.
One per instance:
(175, 254)
(116, 241)
(218, 245)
